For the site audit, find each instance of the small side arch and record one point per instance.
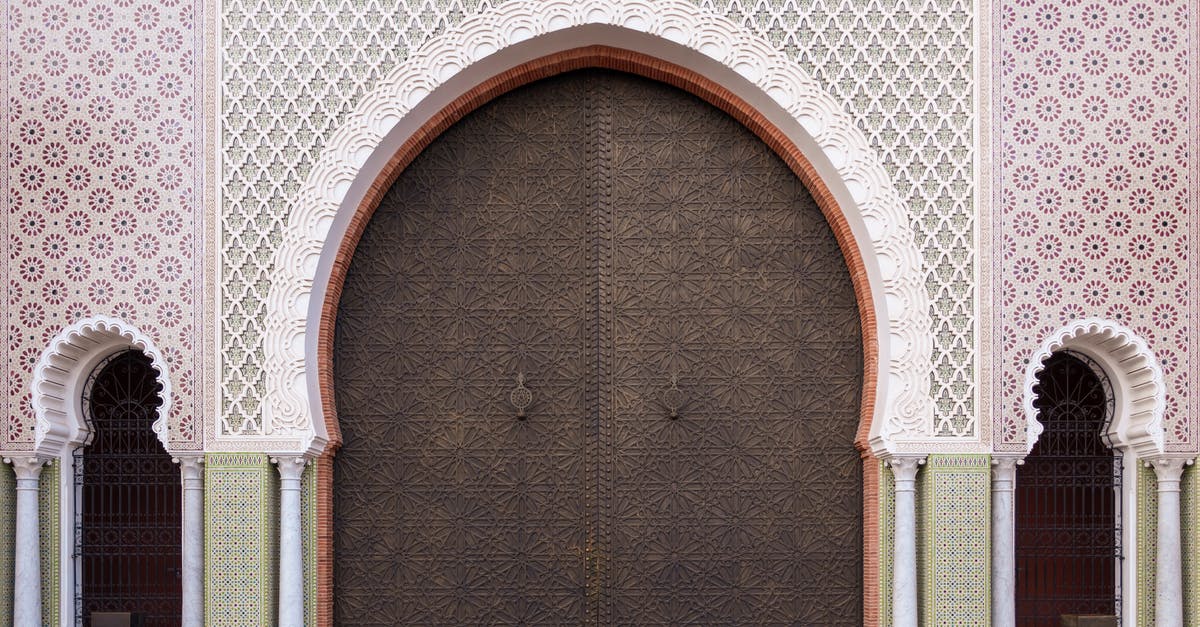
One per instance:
(1136, 378)
(62, 372)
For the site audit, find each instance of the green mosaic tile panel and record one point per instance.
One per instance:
(308, 527)
(1190, 514)
(8, 532)
(924, 531)
(49, 510)
(1147, 544)
(887, 538)
(241, 539)
(954, 526)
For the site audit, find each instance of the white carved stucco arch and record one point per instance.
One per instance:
(61, 375)
(1136, 377)
(675, 31)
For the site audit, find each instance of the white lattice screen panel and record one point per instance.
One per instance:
(292, 69)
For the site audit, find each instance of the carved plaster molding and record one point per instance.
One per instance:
(1129, 364)
(62, 371)
(475, 51)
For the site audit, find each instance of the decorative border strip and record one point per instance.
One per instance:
(8, 408)
(1147, 545)
(325, 200)
(887, 541)
(1190, 536)
(310, 540)
(8, 546)
(49, 514)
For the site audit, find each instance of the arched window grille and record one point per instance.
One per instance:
(1068, 499)
(128, 500)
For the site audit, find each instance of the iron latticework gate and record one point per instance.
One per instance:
(598, 361)
(129, 500)
(1068, 505)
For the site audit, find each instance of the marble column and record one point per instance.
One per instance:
(27, 584)
(1168, 583)
(1004, 567)
(291, 553)
(192, 471)
(904, 567)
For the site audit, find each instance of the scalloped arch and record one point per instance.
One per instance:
(62, 371)
(497, 40)
(1137, 382)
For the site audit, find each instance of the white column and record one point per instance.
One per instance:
(291, 554)
(192, 471)
(904, 567)
(1004, 567)
(1168, 583)
(27, 585)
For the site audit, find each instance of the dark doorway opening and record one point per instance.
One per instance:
(129, 500)
(1068, 505)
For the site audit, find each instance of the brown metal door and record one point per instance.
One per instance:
(632, 253)
(746, 507)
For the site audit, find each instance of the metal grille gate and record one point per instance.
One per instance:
(1068, 505)
(598, 361)
(128, 500)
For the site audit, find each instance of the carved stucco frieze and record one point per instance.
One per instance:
(880, 221)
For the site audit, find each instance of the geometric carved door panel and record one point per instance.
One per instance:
(687, 332)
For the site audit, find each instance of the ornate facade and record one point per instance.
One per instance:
(211, 183)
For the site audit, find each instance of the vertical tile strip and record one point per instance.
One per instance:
(8, 531)
(1190, 534)
(308, 537)
(49, 506)
(241, 536)
(954, 540)
(1147, 545)
(887, 539)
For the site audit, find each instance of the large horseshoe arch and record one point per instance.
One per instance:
(679, 311)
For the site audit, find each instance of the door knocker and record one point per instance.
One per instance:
(521, 398)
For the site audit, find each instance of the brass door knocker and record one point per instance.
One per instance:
(521, 398)
(673, 398)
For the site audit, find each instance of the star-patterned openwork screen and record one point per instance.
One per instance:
(598, 360)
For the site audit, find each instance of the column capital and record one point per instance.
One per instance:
(191, 465)
(904, 467)
(26, 466)
(291, 467)
(1007, 462)
(1004, 472)
(1168, 470)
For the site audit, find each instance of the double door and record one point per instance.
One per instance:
(598, 360)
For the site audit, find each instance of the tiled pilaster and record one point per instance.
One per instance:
(954, 530)
(241, 522)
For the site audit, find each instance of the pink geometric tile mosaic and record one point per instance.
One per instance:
(1094, 190)
(102, 208)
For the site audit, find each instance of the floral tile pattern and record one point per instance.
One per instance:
(102, 206)
(1094, 193)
